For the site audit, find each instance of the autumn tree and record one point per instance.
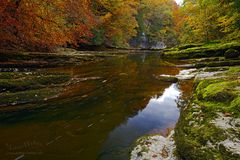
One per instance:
(80, 21)
(33, 24)
(8, 23)
(209, 20)
(44, 25)
(118, 22)
(156, 21)
(229, 21)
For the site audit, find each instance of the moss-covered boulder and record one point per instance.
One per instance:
(209, 126)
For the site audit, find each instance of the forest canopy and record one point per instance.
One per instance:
(46, 24)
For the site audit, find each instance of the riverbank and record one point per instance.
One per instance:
(208, 127)
(63, 57)
(193, 51)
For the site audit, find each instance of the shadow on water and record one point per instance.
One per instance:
(97, 118)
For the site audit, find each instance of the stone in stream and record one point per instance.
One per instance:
(187, 74)
(167, 78)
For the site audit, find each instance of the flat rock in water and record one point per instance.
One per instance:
(155, 148)
(187, 74)
(167, 78)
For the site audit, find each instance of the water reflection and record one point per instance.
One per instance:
(160, 114)
(95, 112)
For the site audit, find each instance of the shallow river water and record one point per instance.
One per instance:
(116, 101)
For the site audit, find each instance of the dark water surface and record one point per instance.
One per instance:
(115, 102)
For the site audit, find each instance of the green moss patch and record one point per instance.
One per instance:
(26, 87)
(218, 63)
(196, 136)
(217, 92)
(23, 81)
(28, 96)
(201, 51)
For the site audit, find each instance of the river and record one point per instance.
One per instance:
(118, 100)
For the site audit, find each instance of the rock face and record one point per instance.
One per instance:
(155, 148)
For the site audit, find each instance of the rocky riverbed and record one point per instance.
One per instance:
(209, 125)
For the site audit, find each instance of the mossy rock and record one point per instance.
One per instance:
(218, 92)
(28, 96)
(22, 81)
(235, 107)
(218, 63)
(186, 46)
(234, 70)
(196, 136)
(11, 75)
(231, 53)
(204, 51)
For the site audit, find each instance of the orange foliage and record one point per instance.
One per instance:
(44, 24)
(81, 20)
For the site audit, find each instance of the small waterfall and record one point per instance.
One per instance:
(144, 41)
(144, 44)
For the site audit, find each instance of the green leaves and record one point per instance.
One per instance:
(209, 20)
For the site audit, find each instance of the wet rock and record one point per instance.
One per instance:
(186, 66)
(209, 75)
(187, 74)
(167, 78)
(123, 74)
(155, 147)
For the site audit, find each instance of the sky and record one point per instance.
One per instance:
(179, 2)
